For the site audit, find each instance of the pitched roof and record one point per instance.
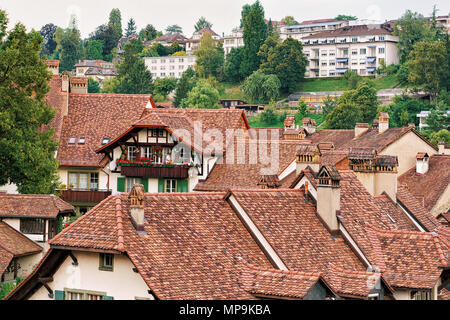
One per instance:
(94, 117)
(15, 242)
(289, 223)
(278, 283)
(178, 37)
(409, 259)
(32, 205)
(244, 172)
(56, 98)
(5, 259)
(190, 249)
(347, 31)
(429, 187)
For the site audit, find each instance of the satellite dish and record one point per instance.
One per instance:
(112, 165)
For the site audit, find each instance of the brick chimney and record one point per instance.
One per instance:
(308, 155)
(383, 122)
(137, 206)
(422, 162)
(329, 196)
(289, 122)
(53, 66)
(443, 149)
(361, 128)
(310, 125)
(79, 85)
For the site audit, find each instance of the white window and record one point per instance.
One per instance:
(163, 61)
(82, 140)
(170, 186)
(172, 60)
(380, 50)
(132, 153)
(181, 67)
(172, 74)
(362, 51)
(381, 38)
(181, 60)
(162, 74)
(131, 182)
(72, 140)
(154, 61)
(354, 39)
(172, 68)
(145, 152)
(162, 68)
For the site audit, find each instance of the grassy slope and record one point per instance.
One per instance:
(255, 122)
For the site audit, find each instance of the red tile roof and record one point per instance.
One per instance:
(5, 259)
(429, 187)
(56, 98)
(409, 259)
(94, 117)
(33, 205)
(15, 242)
(191, 248)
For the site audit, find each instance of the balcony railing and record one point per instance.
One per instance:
(145, 168)
(83, 196)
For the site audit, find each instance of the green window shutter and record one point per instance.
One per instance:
(183, 186)
(161, 185)
(107, 298)
(144, 182)
(60, 295)
(120, 184)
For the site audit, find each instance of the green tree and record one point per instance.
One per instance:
(411, 28)
(94, 50)
(364, 98)
(148, 33)
(261, 88)
(429, 67)
(344, 116)
(302, 111)
(202, 23)
(203, 95)
(131, 28)
(328, 105)
(164, 86)
(71, 49)
(210, 58)
(289, 21)
(134, 77)
(115, 20)
(174, 48)
(352, 78)
(93, 86)
(404, 109)
(49, 44)
(232, 64)
(245, 10)
(441, 135)
(26, 151)
(110, 85)
(110, 36)
(184, 85)
(268, 116)
(269, 44)
(255, 33)
(287, 62)
(174, 28)
(341, 17)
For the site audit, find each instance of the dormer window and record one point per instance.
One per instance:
(106, 141)
(72, 140)
(82, 140)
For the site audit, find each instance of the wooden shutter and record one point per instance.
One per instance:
(107, 298)
(144, 182)
(161, 185)
(120, 184)
(60, 295)
(182, 186)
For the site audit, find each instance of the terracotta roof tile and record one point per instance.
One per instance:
(429, 187)
(33, 205)
(15, 242)
(5, 259)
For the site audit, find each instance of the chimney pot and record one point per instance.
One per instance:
(383, 122)
(422, 163)
(137, 206)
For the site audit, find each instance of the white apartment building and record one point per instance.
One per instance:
(234, 40)
(360, 48)
(171, 66)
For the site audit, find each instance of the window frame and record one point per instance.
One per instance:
(172, 187)
(101, 264)
(39, 230)
(83, 293)
(76, 186)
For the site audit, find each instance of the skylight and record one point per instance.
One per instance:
(106, 141)
(82, 140)
(72, 140)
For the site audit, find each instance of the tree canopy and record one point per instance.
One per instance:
(210, 57)
(131, 28)
(289, 21)
(203, 95)
(49, 44)
(261, 88)
(26, 151)
(202, 23)
(174, 28)
(345, 17)
(115, 20)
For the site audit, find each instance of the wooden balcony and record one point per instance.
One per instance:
(84, 196)
(175, 172)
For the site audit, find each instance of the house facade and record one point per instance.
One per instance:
(194, 42)
(170, 66)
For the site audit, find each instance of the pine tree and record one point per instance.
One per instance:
(131, 28)
(115, 20)
(26, 150)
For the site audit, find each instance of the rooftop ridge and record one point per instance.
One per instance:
(425, 235)
(278, 271)
(350, 272)
(439, 250)
(120, 242)
(101, 95)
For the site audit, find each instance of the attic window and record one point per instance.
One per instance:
(106, 141)
(72, 140)
(82, 140)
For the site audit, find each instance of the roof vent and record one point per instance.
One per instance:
(72, 140)
(106, 141)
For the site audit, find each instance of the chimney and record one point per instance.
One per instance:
(79, 85)
(361, 128)
(383, 122)
(443, 149)
(422, 162)
(310, 125)
(65, 81)
(53, 66)
(329, 196)
(308, 155)
(289, 122)
(137, 205)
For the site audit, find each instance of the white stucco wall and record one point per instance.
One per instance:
(122, 283)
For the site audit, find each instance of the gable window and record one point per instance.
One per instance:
(170, 186)
(32, 226)
(157, 133)
(106, 262)
(132, 153)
